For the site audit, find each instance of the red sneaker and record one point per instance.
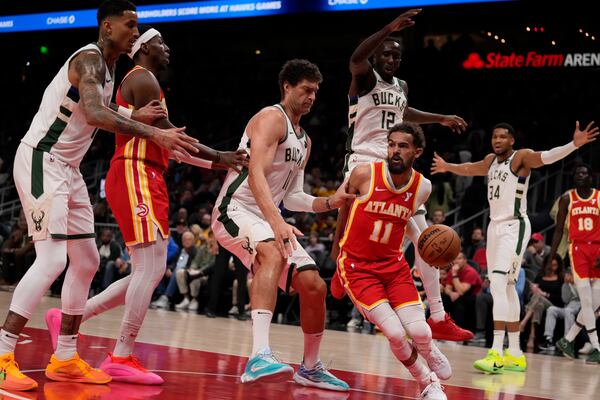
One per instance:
(448, 330)
(337, 290)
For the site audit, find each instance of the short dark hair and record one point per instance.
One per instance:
(508, 127)
(293, 71)
(582, 165)
(113, 7)
(412, 129)
(143, 28)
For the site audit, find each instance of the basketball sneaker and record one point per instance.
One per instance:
(11, 378)
(265, 367)
(75, 370)
(567, 348)
(53, 318)
(319, 377)
(492, 363)
(130, 370)
(438, 363)
(593, 357)
(512, 363)
(337, 290)
(434, 390)
(448, 330)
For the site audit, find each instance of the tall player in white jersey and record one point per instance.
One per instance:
(378, 101)
(54, 195)
(508, 173)
(247, 221)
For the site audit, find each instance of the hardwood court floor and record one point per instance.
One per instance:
(202, 358)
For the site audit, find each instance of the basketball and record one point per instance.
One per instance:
(439, 245)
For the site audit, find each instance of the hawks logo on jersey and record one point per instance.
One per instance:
(584, 217)
(377, 222)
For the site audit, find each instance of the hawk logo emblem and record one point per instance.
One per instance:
(141, 210)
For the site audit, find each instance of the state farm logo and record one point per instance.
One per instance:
(473, 62)
(531, 59)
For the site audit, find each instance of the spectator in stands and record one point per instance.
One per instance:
(216, 283)
(477, 242)
(199, 237)
(18, 252)
(462, 286)
(182, 260)
(438, 216)
(191, 279)
(441, 196)
(110, 253)
(536, 252)
(316, 249)
(546, 292)
(568, 313)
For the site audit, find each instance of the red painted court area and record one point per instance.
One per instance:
(193, 374)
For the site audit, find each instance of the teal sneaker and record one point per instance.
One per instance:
(593, 357)
(319, 377)
(567, 348)
(265, 367)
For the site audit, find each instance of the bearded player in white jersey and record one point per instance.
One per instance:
(508, 172)
(54, 195)
(378, 101)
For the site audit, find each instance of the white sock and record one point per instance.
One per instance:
(498, 343)
(573, 332)
(66, 347)
(261, 322)
(436, 309)
(513, 344)
(8, 342)
(594, 339)
(312, 344)
(126, 340)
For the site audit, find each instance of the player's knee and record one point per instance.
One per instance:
(313, 285)
(84, 255)
(270, 256)
(419, 331)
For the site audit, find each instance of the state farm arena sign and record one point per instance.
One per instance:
(531, 59)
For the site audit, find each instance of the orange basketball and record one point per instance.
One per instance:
(439, 245)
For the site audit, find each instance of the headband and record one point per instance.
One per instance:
(145, 37)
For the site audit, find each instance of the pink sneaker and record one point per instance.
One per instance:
(53, 319)
(130, 370)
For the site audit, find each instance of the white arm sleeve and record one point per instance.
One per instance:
(558, 153)
(295, 198)
(423, 193)
(195, 161)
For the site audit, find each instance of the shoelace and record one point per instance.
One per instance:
(136, 363)
(12, 363)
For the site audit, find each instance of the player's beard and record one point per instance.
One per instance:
(399, 167)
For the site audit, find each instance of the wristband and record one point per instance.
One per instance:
(327, 203)
(127, 112)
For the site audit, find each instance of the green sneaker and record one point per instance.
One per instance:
(567, 348)
(493, 363)
(512, 363)
(593, 357)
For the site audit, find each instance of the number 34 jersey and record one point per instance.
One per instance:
(584, 217)
(377, 220)
(507, 192)
(371, 115)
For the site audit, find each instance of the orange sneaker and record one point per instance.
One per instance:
(75, 370)
(11, 378)
(448, 330)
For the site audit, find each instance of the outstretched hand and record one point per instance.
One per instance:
(586, 136)
(439, 165)
(235, 160)
(454, 122)
(341, 196)
(404, 20)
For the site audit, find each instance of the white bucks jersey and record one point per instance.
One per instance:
(289, 157)
(507, 192)
(370, 116)
(60, 127)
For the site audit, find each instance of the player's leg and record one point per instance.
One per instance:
(250, 240)
(498, 267)
(389, 322)
(312, 291)
(442, 326)
(43, 190)
(148, 266)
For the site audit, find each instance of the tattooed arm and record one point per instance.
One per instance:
(86, 73)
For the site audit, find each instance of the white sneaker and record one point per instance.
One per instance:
(193, 305)
(433, 391)
(354, 323)
(162, 302)
(183, 305)
(234, 311)
(586, 349)
(438, 363)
